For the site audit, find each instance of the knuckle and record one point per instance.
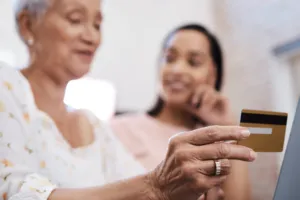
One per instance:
(223, 150)
(202, 184)
(205, 172)
(213, 132)
(205, 169)
(187, 170)
(180, 156)
(174, 142)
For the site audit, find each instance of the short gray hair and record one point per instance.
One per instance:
(33, 6)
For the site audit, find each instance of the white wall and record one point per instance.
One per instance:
(255, 78)
(9, 40)
(133, 31)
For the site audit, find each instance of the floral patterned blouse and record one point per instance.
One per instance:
(35, 158)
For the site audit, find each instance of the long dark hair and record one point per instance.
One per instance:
(215, 51)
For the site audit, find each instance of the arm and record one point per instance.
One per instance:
(237, 185)
(135, 188)
(18, 164)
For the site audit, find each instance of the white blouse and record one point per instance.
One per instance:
(34, 156)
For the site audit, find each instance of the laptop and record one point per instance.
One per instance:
(288, 185)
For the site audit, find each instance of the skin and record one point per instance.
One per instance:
(188, 77)
(65, 38)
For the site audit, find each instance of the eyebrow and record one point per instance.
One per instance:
(197, 53)
(170, 49)
(76, 6)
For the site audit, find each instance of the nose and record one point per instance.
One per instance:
(178, 67)
(91, 36)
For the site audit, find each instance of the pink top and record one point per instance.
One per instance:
(144, 136)
(147, 139)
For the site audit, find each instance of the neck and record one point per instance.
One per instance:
(48, 94)
(176, 116)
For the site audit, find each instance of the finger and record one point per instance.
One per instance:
(215, 194)
(226, 151)
(212, 134)
(196, 98)
(221, 194)
(196, 101)
(209, 99)
(208, 167)
(202, 197)
(209, 182)
(224, 100)
(198, 95)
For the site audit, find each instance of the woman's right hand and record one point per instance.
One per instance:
(188, 170)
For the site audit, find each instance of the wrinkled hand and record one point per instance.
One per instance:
(188, 170)
(211, 107)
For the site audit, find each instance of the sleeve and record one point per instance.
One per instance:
(18, 177)
(118, 161)
(121, 163)
(126, 165)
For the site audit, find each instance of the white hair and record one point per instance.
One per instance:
(33, 6)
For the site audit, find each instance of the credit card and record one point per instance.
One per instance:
(267, 130)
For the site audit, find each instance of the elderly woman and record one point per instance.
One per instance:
(49, 153)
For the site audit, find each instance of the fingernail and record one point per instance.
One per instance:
(245, 132)
(253, 155)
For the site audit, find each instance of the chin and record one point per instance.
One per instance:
(78, 71)
(177, 99)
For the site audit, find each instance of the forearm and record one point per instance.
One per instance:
(237, 186)
(137, 188)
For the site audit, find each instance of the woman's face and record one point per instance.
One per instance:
(65, 37)
(186, 65)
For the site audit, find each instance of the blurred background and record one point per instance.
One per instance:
(260, 39)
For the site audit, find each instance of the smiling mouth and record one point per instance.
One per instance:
(176, 86)
(86, 56)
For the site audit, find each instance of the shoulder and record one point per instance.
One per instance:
(13, 83)
(16, 100)
(101, 128)
(10, 74)
(88, 116)
(129, 127)
(129, 119)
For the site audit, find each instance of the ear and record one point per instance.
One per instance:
(24, 23)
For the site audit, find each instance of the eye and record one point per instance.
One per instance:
(75, 21)
(75, 18)
(170, 58)
(194, 62)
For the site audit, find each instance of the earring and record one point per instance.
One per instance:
(30, 42)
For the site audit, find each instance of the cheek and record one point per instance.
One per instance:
(201, 76)
(56, 39)
(99, 38)
(163, 72)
